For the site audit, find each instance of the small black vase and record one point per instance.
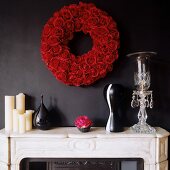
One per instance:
(42, 117)
(84, 130)
(114, 95)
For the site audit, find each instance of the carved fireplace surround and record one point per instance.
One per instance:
(68, 142)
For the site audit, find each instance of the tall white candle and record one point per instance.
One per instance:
(20, 103)
(29, 120)
(144, 69)
(9, 106)
(22, 123)
(139, 66)
(15, 120)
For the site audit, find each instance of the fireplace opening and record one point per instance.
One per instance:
(82, 164)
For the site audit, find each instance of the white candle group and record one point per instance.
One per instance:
(17, 120)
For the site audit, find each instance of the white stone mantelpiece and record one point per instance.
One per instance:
(68, 142)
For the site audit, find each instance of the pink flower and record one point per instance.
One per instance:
(83, 122)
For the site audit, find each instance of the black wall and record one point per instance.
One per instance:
(143, 25)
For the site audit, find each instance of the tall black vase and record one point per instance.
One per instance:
(42, 117)
(114, 95)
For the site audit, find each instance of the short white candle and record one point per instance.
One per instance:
(9, 106)
(22, 123)
(20, 103)
(29, 119)
(15, 120)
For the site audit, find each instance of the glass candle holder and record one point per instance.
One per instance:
(142, 97)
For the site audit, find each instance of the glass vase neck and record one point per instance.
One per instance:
(41, 99)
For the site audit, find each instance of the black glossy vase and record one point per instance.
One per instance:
(84, 130)
(42, 117)
(114, 95)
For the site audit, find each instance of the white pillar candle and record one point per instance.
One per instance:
(22, 123)
(29, 119)
(9, 106)
(139, 66)
(20, 103)
(15, 120)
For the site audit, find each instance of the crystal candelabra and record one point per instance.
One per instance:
(142, 97)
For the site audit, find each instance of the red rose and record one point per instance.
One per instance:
(45, 48)
(47, 30)
(109, 38)
(113, 45)
(105, 20)
(62, 76)
(94, 72)
(110, 68)
(53, 70)
(64, 66)
(115, 34)
(105, 50)
(54, 63)
(78, 25)
(65, 55)
(86, 68)
(112, 25)
(69, 25)
(71, 77)
(58, 22)
(100, 58)
(56, 15)
(52, 40)
(47, 58)
(59, 32)
(99, 32)
(93, 21)
(67, 36)
(77, 82)
(57, 49)
(90, 60)
(94, 11)
(65, 14)
(102, 67)
(74, 67)
(109, 59)
(88, 79)
(50, 21)
(101, 40)
(83, 122)
(84, 6)
(79, 73)
(85, 14)
(74, 9)
(75, 79)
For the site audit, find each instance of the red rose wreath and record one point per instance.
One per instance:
(59, 30)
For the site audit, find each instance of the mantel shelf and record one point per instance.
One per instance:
(69, 142)
(73, 132)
